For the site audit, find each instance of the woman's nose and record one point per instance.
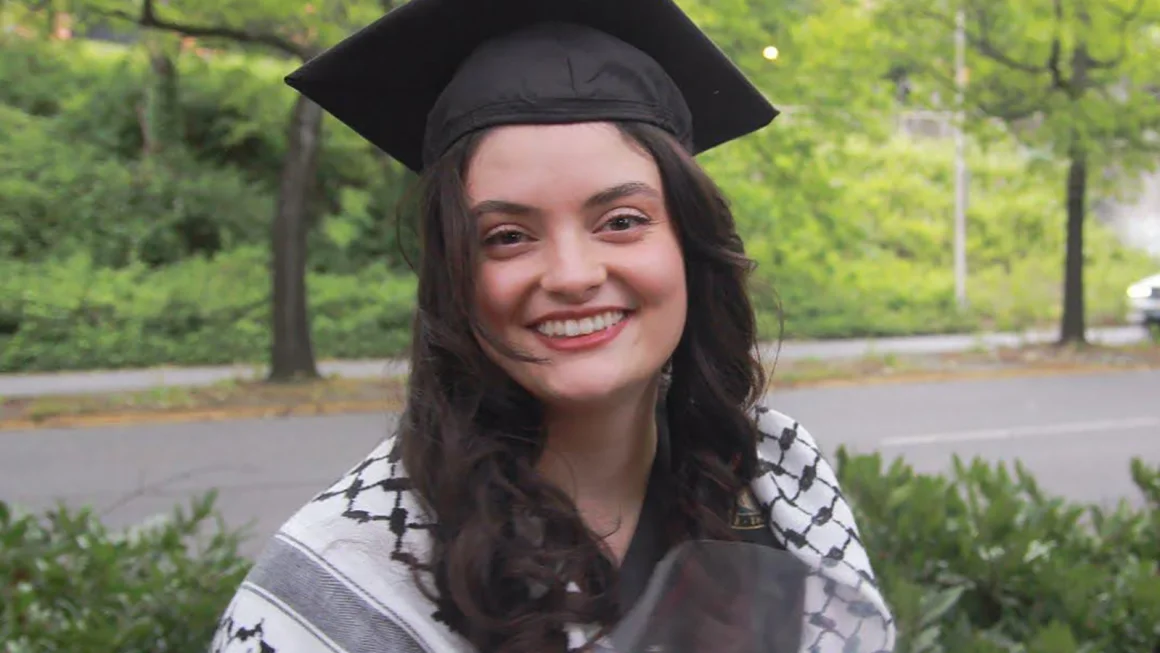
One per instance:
(574, 270)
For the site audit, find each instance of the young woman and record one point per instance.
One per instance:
(584, 381)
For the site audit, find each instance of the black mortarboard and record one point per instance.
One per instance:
(432, 71)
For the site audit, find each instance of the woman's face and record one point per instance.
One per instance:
(580, 262)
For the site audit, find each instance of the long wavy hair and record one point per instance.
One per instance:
(507, 542)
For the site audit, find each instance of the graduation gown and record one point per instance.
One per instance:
(335, 578)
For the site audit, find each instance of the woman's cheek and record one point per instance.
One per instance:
(497, 293)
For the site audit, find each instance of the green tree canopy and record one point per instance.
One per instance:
(1075, 79)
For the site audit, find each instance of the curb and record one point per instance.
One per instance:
(96, 420)
(967, 375)
(318, 409)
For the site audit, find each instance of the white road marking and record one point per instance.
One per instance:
(1018, 432)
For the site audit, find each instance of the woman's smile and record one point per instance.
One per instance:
(582, 331)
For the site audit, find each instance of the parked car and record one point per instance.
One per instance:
(1144, 301)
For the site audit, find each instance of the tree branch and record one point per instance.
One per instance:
(1053, 59)
(987, 47)
(148, 18)
(982, 42)
(1126, 19)
(1009, 110)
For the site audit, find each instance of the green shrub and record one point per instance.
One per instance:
(70, 584)
(41, 78)
(75, 315)
(978, 561)
(985, 560)
(233, 113)
(60, 198)
(855, 237)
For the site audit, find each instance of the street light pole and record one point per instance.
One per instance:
(960, 229)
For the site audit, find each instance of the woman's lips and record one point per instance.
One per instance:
(587, 341)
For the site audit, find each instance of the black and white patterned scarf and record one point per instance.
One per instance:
(337, 576)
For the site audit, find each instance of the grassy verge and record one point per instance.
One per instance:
(237, 399)
(218, 401)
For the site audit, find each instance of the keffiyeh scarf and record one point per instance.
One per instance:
(337, 578)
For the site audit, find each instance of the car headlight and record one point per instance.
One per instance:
(1139, 291)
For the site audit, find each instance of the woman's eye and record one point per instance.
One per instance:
(625, 222)
(507, 237)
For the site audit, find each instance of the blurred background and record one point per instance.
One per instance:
(147, 175)
(196, 266)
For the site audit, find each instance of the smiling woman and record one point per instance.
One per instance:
(584, 382)
(592, 239)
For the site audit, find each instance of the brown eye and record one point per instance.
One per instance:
(507, 237)
(625, 221)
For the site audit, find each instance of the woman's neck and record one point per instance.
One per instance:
(602, 457)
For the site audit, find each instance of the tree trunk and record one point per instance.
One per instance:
(50, 18)
(161, 116)
(292, 355)
(1072, 327)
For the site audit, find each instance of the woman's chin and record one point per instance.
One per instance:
(588, 388)
(578, 397)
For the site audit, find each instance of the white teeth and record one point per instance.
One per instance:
(583, 327)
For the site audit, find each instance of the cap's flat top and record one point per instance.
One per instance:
(385, 80)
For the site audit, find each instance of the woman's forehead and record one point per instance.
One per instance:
(557, 163)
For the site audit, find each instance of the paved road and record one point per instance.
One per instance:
(1076, 433)
(19, 385)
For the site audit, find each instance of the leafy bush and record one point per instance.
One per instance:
(855, 236)
(60, 198)
(69, 584)
(983, 560)
(233, 113)
(75, 315)
(40, 78)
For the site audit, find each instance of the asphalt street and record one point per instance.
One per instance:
(1076, 433)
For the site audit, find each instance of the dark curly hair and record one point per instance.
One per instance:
(470, 437)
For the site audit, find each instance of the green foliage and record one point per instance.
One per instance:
(41, 80)
(1075, 82)
(282, 27)
(983, 559)
(828, 64)
(161, 260)
(73, 314)
(68, 583)
(1085, 74)
(233, 112)
(980, 560)
(59, 198)
(850, 226)
(854, 236)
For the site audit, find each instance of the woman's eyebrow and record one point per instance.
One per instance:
(606, 196)
(620, 191)
(501, 206)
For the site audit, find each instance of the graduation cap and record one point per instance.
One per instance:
(432, 71)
